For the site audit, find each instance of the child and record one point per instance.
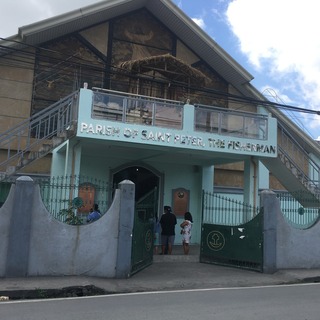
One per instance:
(186, 226)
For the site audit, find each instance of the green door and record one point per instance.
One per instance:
(143, 232)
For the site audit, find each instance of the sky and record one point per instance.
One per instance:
(276, 41)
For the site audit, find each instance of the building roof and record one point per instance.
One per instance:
(164, 10)
(171, 16)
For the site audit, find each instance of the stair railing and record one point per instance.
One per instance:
(308, 172)
(32, 133)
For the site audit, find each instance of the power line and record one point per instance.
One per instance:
(48, 55)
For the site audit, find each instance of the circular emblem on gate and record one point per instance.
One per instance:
(215, 240)
(301, 211)
(148, 240)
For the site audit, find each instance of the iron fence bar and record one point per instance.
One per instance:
(218, 209)
(297, 215)
(59, 192)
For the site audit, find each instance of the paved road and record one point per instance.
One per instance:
(287, 302)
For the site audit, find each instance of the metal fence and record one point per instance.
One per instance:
(297, 215)
(217, 209)
(4, 191)
(77, 194)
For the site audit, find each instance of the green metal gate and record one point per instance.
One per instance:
(143, 232)
(238, 245)
(4, 191)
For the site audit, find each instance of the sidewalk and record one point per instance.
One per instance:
(174, 272)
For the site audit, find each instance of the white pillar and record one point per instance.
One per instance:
(208, 178)
(251, 185)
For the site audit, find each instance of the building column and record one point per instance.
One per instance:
(126, 223)
(208, 178)
(270, 206)
(20, 227)
(250, 195)
(314, 174)
(264, 179)
(75, 158)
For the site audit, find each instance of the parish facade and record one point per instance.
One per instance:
(135, 90)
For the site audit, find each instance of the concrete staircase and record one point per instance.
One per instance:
(37, 136)
(296, 170)
(294, 179)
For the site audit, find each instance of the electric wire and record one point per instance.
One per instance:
(17, 56)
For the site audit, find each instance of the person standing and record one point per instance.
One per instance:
(186, 226)
(94, 215)
(168, 222)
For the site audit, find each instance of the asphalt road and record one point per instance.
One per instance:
(285, 302)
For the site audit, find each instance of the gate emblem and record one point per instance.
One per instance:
(148, 240)
(215, 240)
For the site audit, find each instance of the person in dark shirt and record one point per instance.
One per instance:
(168, 222)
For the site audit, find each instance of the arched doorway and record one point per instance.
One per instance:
(145, 180)
(146, 210)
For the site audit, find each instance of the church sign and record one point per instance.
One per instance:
(160, 136)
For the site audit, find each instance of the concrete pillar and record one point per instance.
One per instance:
(208, 178)
(248, 182)
(268, 200)
(188, 117)
(250, 194)
(20, 227)
(126, 221)
(263, 174)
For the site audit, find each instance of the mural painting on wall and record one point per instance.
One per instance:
(61, 68)
(139, 36)
(63, 65)
(180, 198)
(216, 83)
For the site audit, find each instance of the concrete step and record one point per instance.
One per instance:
(178, 255)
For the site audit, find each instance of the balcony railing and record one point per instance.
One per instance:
(137, 109)
(231, 123)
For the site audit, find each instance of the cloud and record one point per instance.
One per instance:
(179, 4)
(17, 13)
(281, 38)
(199, 22)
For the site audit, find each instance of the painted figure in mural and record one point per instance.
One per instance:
(139, 51)
(186, 227)
(94, 215)
(168, 222)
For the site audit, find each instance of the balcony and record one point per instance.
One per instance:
(134, 109)
(118, 116)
